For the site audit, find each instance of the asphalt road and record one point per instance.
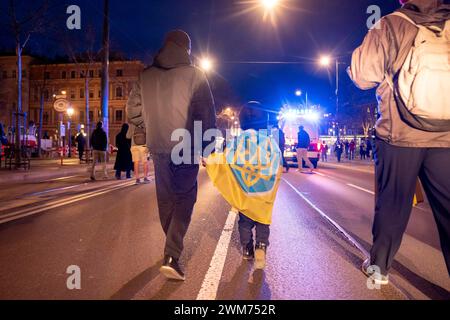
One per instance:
(110, 230)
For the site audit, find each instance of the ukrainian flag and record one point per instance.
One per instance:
(248, 174)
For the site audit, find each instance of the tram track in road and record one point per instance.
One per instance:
(16, 213)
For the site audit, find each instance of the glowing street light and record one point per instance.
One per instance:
(206, 64)
(70, 112)
(269, 4)
(325, 61)
(298, 93)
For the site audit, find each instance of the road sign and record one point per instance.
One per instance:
(62, 130)
(61, 105)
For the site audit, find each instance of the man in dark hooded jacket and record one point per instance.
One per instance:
(402, 152)
(170, 96)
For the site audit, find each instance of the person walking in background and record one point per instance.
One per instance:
(352, 148)
(171, 95)
(362, 150)
(99, 144)
(347, 149)
(413, 128)
(324, 151)
(81, 144)
(138, 136)
(123, 159)
(281, 138)
(368, 149)
(339, 149)
(302, 149)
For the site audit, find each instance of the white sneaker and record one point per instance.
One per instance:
(371, 273)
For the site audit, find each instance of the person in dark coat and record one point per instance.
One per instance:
(99, 145)
(282, 144)
(123, 159)
(81, 144)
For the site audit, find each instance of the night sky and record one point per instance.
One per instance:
(231, 31)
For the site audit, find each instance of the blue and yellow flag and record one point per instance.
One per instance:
(248, 173)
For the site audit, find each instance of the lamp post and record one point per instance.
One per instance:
(325, 61)
(299, 93)
(70, 113)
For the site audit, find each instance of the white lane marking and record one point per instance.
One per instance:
(360, 188)
(321, 174)
(58, 179)
(210, 284)
(59, 203)
(54, 189)
(334, 223)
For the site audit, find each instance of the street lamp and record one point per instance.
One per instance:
(298, 93)
(326, 61)
(269, 4)
(70, 113)
(206, 64)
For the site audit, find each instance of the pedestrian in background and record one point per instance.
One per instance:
(281, 138)
(81, 144)
(408, 143)
(368, 149)
(352, 147)
(324, 151)
(139, 150)
(347, 149)
(339, 149)
(99, 144)
(362, 150)
(123, 159)
(303, 142)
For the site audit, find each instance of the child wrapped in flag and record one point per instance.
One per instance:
(247, 174)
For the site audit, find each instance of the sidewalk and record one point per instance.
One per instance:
(44, 169)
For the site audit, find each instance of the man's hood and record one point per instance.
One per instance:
(427, 12)
(172, 56)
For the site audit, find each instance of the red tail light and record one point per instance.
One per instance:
(319, 146)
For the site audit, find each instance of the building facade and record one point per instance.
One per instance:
(49, 80)
(8, 87)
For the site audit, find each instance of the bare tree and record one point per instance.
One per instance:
(85, 62)
(22, 30)
(42, 86)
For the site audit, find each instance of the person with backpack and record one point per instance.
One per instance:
(99, 144)
(170, 97)
(138, 136)
(406, 56)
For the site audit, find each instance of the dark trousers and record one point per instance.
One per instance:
(246, 226)
(396, 172)
(80, 153)
(119, 173)
(176, 191)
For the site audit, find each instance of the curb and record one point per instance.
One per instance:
(24, 176)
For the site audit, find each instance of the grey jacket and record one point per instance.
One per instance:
(171, 95)
(134, 112)
(383, 52)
